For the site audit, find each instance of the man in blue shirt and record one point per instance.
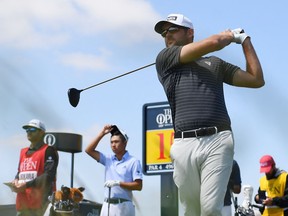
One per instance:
(123, 173)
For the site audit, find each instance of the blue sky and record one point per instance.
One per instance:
(47, 47)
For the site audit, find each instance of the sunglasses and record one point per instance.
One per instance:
(171, 29)
(31, 129)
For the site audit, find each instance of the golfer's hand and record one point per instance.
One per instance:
(107, 128)
(112, 183)
(239, 35)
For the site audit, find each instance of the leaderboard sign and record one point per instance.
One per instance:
(158, 136)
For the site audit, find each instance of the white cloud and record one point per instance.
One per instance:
(84, 61)
(40, 23)
(28, 24)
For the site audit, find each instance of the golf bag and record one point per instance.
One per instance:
(65, 201)
(247, 208)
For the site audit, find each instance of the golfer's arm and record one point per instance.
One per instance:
(90, 149)
(135, 185)
(260, 196)
(253, 76)
(195, 50)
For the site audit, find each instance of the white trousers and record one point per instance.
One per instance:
(202, 167)
(121, 209)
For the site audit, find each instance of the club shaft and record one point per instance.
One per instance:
(109, 197)
(119, 76)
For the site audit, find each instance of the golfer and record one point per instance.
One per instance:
(203, 147)
(123, 173)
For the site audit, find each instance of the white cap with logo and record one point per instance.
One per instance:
(36, 124)
(177, 19)
(116, 129)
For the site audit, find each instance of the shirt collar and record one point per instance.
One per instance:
(125, 156)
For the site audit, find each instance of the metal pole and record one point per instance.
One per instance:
(169, 195)
(72, 170)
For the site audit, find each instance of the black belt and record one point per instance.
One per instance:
(115, 200)
(205, 131)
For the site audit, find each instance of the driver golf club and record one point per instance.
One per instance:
(74, 94)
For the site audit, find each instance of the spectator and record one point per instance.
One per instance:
(273, 190)
(36, 176)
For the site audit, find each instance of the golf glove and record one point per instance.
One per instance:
(238, 31)
(112, 183)
(239, 35)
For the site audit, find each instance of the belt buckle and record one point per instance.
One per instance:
(196, 131)
(199, 130)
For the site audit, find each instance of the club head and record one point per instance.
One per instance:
(74, 96)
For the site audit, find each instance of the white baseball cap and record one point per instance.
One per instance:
(36, 124)
(116, 129)
(176, 19)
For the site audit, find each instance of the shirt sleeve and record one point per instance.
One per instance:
(102, 159)
(167, 59)
(137, 170)
(228, 72)
(262, 196)
(282, 201)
